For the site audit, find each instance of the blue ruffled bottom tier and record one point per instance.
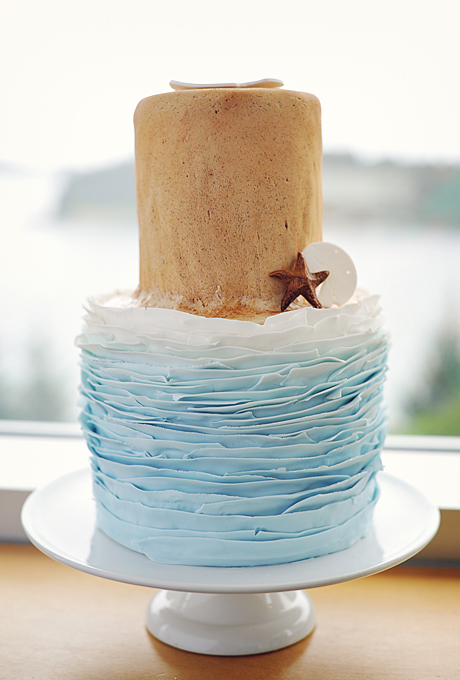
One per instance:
(217, 442)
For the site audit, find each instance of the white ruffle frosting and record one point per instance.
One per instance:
(220, 442)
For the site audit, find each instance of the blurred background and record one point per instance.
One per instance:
(387, 76)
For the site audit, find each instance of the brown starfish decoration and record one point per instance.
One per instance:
(300, 281)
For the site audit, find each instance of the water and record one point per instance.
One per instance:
(48, 268)
(416, 272)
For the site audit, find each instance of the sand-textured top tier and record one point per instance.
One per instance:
(228, 190)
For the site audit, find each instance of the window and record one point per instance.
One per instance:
(391, 170)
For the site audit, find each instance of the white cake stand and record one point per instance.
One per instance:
(225, 611)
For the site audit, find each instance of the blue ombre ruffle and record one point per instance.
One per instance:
(218, 442)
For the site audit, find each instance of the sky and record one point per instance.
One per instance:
(71, 74)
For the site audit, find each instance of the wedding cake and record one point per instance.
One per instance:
(233, 403)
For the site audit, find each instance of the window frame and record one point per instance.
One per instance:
(34, 453)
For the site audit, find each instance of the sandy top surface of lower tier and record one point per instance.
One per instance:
(244, 310)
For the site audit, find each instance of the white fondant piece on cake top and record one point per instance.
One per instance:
(340, 285)
(265, 82)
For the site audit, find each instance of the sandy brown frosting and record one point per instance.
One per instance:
(228, 190)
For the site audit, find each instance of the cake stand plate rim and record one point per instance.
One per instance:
(404, 522)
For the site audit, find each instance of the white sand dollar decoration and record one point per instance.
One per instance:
(340, 285)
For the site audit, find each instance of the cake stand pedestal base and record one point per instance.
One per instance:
(230, 624)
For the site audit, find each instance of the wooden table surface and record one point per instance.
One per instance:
(56, 622)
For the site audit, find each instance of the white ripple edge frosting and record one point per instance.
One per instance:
(219, 442)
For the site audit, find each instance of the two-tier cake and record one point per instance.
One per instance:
(224, 431)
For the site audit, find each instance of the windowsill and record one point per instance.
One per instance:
(33, 454)
(57, 622)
